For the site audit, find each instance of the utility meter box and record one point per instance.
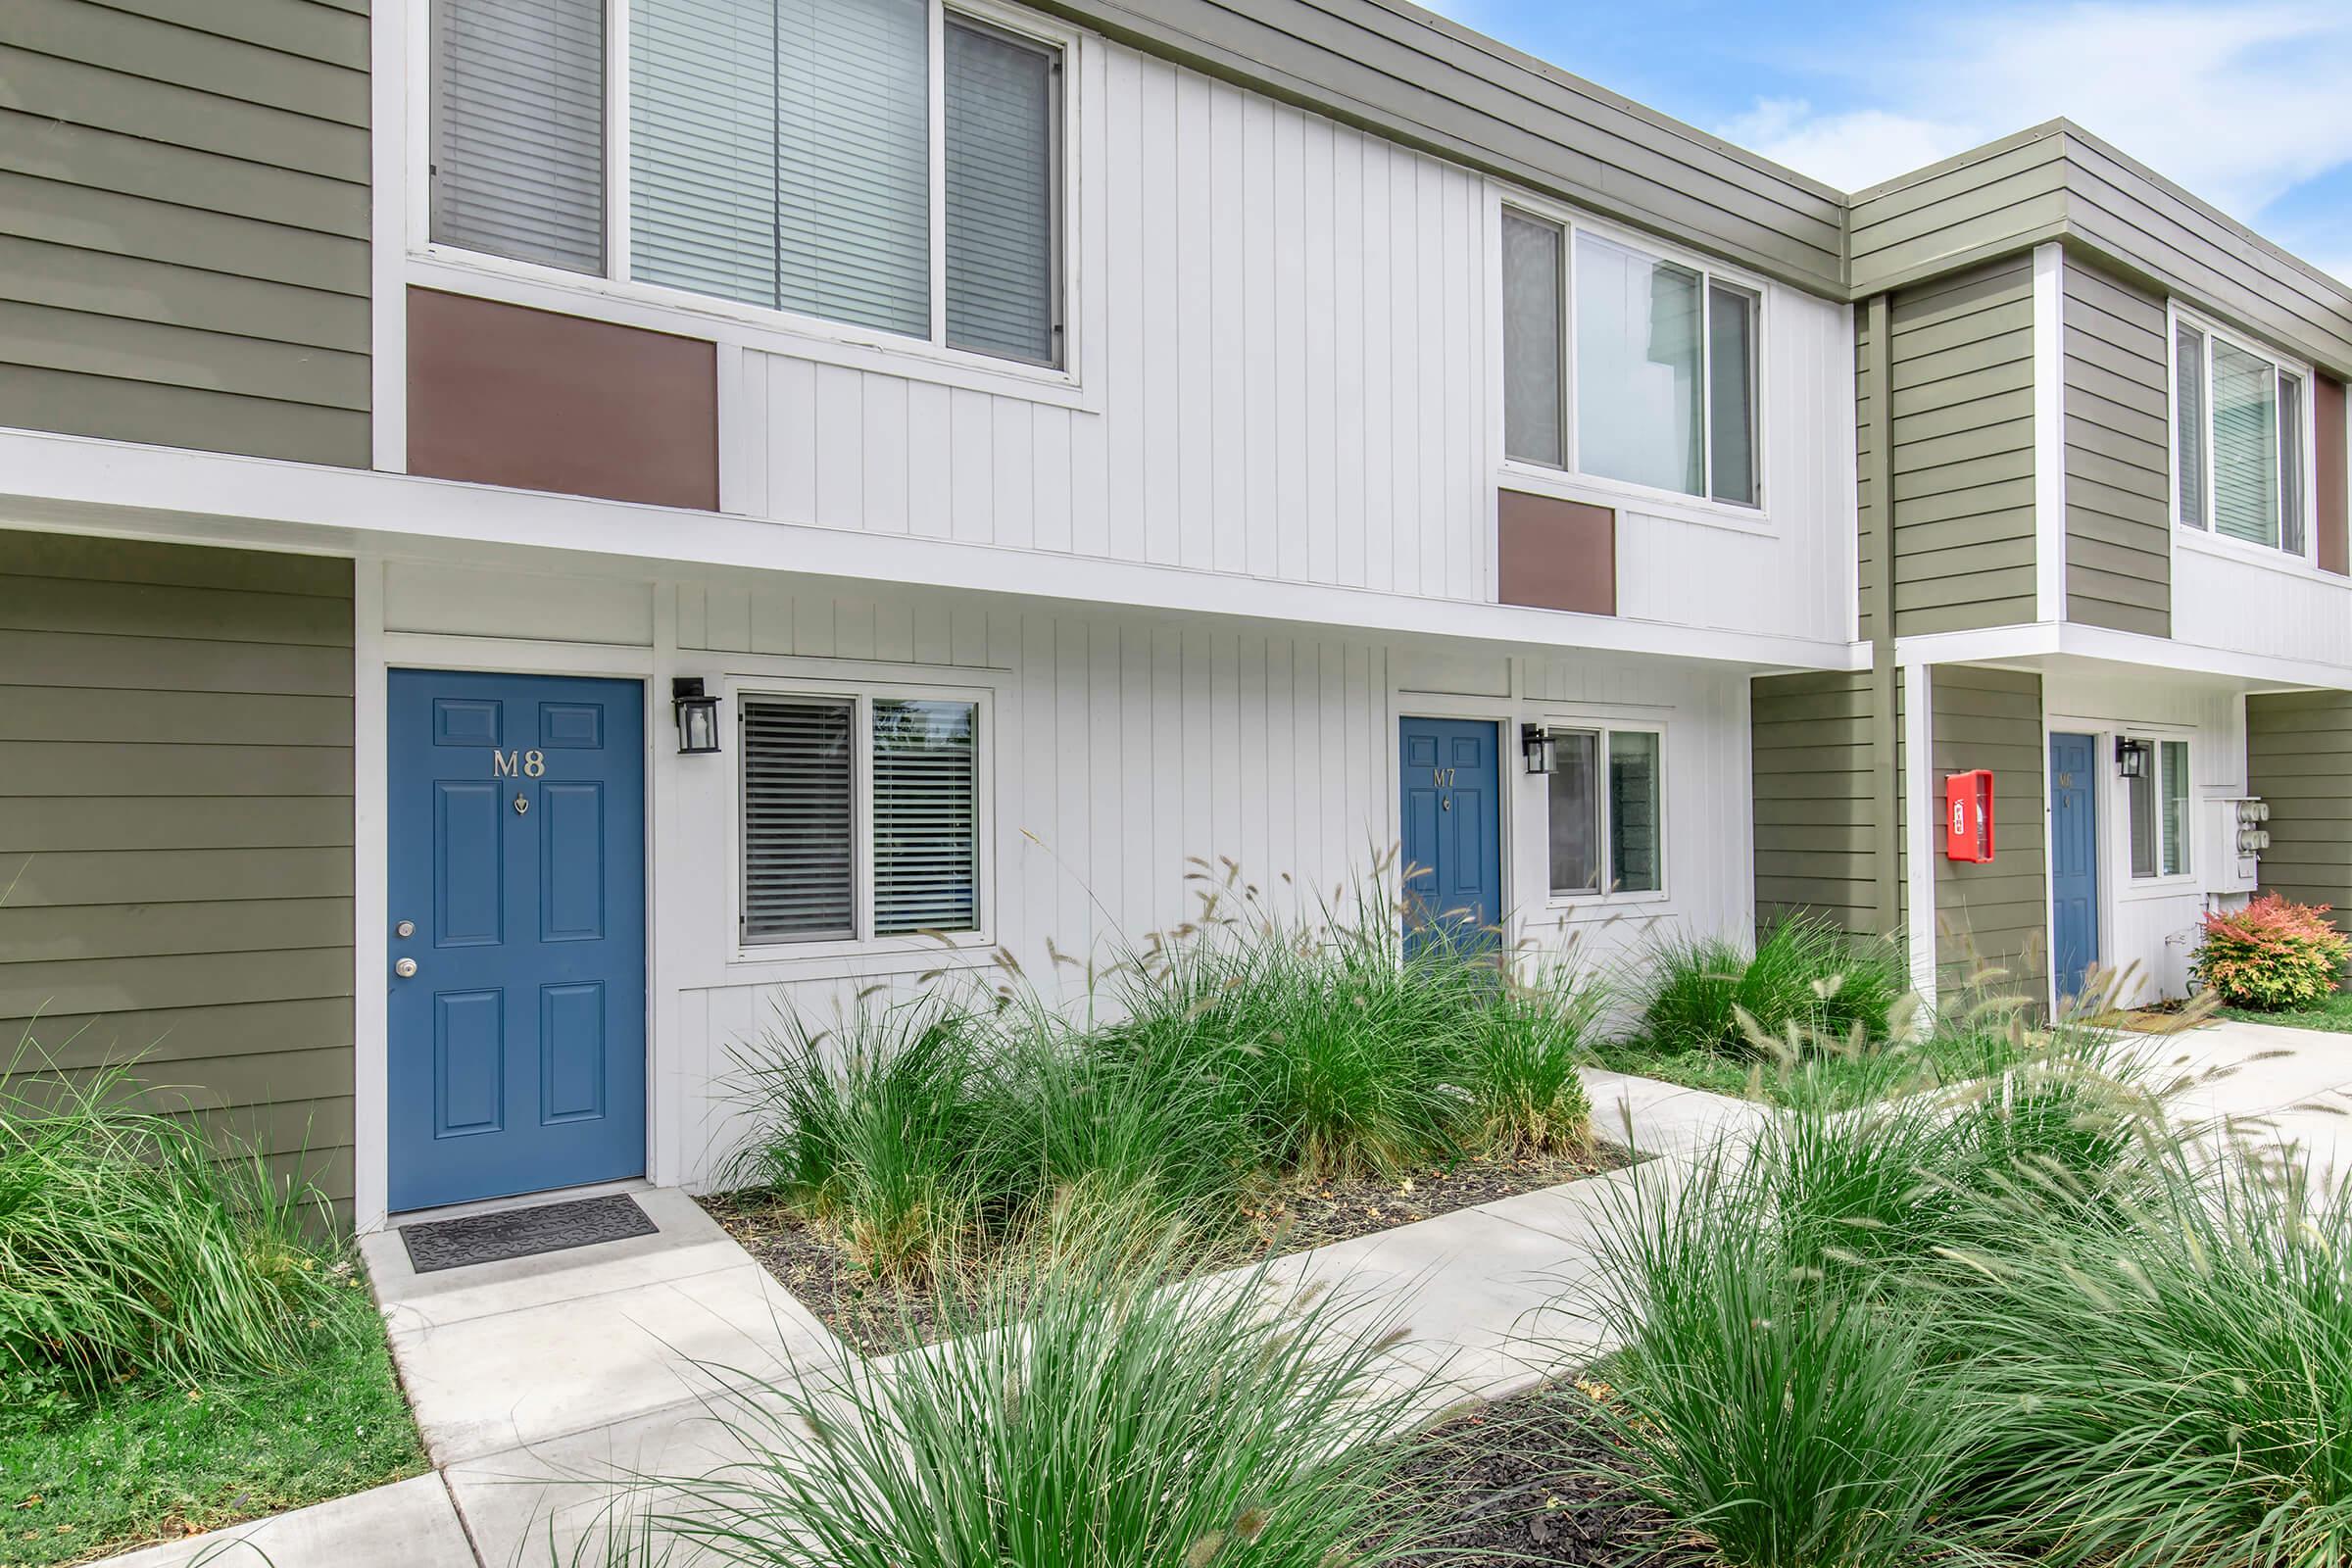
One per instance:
(2239, 832)
(1967, 816)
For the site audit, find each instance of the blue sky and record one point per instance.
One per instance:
(2247, 105)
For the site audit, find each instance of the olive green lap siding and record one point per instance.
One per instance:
(176, 799)
(1961, 419)
(2118, 467)
(1816, 826)
(2300, 759)
(183, 223)
(1992, 918)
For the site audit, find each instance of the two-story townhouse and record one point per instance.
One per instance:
(539, 532)
(2101, 435)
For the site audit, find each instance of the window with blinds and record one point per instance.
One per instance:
(518, 130)
(845, 793)
(799, 820)
(926, 833)
(2238, 442)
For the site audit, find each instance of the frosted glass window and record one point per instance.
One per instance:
(1639, 370)
(1533, 420)
(1573, 798)
(2291, 463)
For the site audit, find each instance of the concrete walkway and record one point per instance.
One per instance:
(2290, 1086)
(537, 1381)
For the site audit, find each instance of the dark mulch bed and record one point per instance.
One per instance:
(1529, 1480)
(879, 1316)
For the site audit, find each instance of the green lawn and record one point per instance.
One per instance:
(153, 1459)
(2334, 1015)
(1833, 1079)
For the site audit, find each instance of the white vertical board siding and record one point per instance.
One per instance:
(1285, 368)
(1126, 749)
(1795, 576)
(2225, 598)
(2152, 926)
(1282, 355)
(1123, 750)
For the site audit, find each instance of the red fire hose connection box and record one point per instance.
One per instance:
(1967, 816)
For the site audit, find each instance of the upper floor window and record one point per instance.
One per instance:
(1645, 371)
(2237, 441)
(780, 152)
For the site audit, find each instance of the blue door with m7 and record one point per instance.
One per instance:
(1451, 814)
(516, 954)
(2073, 860)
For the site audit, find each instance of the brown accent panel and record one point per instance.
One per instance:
(1556, 554)
(504, 395)
(2334, 531)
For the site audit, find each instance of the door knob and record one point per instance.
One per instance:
(405, 968)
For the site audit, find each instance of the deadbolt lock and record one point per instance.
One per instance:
(406, 929)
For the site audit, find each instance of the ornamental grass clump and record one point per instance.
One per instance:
(1810, 1373)
(2272, 956)
(131, 1242)
(1083, 1416)
(1804, 979)
(2174, 1382)
(1520, 1058)
(1775, 1399)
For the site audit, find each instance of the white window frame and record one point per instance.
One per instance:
(2154, 738)
(2202, 535)
(863, 695)
(1561, 723)
(1572, 481)
(615, 296)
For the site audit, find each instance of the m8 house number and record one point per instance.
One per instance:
(506, 765)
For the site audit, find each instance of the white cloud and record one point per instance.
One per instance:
(2239, 103)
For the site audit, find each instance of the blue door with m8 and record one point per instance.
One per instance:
(516, 953)
(1451, 815)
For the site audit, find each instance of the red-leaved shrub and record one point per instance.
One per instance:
(2271, 955)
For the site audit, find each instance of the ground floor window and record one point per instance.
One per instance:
(861, 816)
(1604, 797)
(2159, 808)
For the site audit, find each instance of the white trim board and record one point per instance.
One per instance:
(2038, 643)
(2049, 432)
(103, 486)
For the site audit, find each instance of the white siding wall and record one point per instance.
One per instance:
(2153, 924)
(2223, 598)
(1285, 355)
(1125, 749)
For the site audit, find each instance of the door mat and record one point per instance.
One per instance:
(524, 1231)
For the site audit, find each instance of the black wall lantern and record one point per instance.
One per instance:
(698, 717)
(1535, 743)
(2131, 756)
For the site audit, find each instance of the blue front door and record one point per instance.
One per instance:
(2073, 859)
(1452, 817)
(518, 875)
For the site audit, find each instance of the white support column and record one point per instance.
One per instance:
(2049, 432)
(1923, 816)
(370, 1051)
